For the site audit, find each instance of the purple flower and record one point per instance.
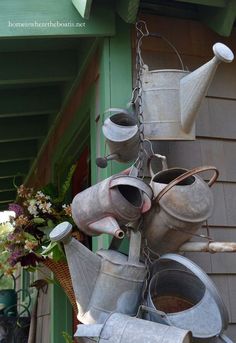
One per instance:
(16, 208)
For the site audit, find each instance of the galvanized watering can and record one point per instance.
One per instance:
(105, 206)
(171, 98)
(122, 137)
(182, 203)
(104, 282)
(183, 295)
(120, 328)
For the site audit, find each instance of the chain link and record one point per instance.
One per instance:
(141, 31)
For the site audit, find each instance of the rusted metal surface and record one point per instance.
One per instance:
(211, 247)
(182, 203)
(184, 296)
(105, 206)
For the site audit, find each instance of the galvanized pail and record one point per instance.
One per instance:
(120, 328)
(184, 296)
(117, 200)
(182, 203)
(122, 137)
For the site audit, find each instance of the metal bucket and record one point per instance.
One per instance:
(120, 328)
(184, 296)
(182, 203)
(117, 200)
(161, 104)
(122, 137)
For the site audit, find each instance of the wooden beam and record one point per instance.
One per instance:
(212, 3)
(220, 20)
(17, 129)
(6, 195)
(10, 169)
(37, 67)
(127, 9)
(28, 18)
(27, 100)
(8, 183)
(15, 151)
(83, 7)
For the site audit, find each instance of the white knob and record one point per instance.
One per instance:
(60, 232)
(223, 53)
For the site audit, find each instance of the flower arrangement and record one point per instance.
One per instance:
(25, 239)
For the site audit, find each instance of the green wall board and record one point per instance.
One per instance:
(27, 18)
(221, 20)
(61, 314)
(127, 9)
(83, 7)
(113, 90)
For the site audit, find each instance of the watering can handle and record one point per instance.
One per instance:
(186, 175)
(163, 161)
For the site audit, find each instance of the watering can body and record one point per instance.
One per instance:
(120, 328)
(171, 98)
(122, 137)
(182, 203)
(105, 206)
(184, 296)
(104, 282)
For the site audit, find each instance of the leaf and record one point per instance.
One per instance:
(38, 220)
(66, 185)
(55, 251)
(68, 338)
(51, 190)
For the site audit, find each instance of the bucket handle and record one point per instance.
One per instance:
(143, 308)
(163, 162)
(186, 175)
(141, 27)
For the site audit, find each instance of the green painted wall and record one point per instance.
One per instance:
(112, 88)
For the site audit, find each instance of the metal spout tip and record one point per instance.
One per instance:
(119, 234)
(101, 162)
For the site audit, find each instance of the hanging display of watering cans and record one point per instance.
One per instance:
(122, 137)
(104, 282)
(124, 329)
(182, 202)
(105, 206)
(171, 98)
(183, 295)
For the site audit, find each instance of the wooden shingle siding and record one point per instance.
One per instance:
(216, 138)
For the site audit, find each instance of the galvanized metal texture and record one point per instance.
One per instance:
(171, 98)
(120, 328)
(179, 282)
(211, 247)
(117, 200)
(122, 137)
(104, 282)
(183, 201)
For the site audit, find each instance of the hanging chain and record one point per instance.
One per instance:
(141, 31)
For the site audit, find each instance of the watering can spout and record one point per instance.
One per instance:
(193, 87)
(84, 265)
(107, 225)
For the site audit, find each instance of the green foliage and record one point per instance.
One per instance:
(68, 338)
